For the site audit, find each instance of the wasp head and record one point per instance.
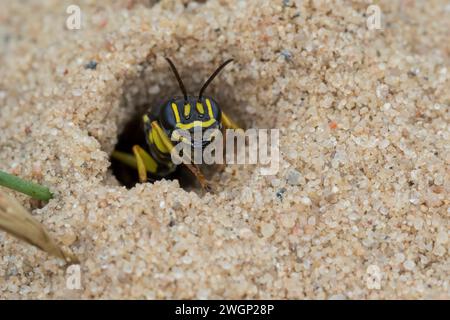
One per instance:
(194, 120)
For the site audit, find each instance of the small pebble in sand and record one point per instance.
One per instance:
(288, 220)
(280, 193)
(69, 237)
(92, 65)
(245, 233)
(275, 182)
(267, 230)
(442, 237)
(77, 92)
(333, 125)
(286, 54)
(409, 265)
(293, 177)
(312, 221)
(399, 257)
(306, 201)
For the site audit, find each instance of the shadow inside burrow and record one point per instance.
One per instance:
(133, 134)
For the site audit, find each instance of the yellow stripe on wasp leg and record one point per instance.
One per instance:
(150, 164)
(130, 160)
(156, 140)
(160, 138)
(228, 123)
(142, 171)
(125, 158)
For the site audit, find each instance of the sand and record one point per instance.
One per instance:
(359, 208)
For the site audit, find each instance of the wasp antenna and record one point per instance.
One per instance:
(211, 78)
(177, 75)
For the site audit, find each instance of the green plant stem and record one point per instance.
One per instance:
(29, 188)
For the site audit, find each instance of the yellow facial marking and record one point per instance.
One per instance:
(210, 112)
(145, 118)
(204, 124)
(175, 112)
(187, 110)
(200, 108)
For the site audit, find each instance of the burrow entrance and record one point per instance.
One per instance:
(149, 89)
(133, 134)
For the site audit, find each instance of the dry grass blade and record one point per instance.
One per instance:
(17, 221)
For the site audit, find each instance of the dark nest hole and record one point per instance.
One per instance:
(138, 101)
(133, 134)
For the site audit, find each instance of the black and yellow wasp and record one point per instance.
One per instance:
(163, 122)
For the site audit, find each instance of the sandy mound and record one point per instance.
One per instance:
(358, 209)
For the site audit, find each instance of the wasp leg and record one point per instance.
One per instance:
(200, 177)
(125, 158)
(142, 171)
(228, 123)
(167, 144)
(162, 140)
(141, 161)
(144, 163)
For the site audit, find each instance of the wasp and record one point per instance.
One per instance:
(162, 124)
